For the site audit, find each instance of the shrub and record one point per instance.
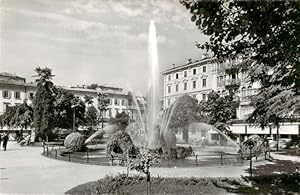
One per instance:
(183, 152)
(259, 146)
(74, 142)
(120, 144)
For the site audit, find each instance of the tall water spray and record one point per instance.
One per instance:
(153, 95)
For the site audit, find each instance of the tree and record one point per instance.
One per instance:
(23, 116)
(93, 86)
(5, 118)
(219, 110)
(267, 34)
(88, 99)
(91, 116)
(185, 111)
(43, 103)
(142, 163)
(121, 120)
(78, 107)
(103, 102)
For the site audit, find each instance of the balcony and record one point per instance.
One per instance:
(232, 82)
(231, 67)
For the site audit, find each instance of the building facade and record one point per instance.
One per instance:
(14, 90)
(199, 78)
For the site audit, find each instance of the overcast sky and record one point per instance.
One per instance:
(94, 41)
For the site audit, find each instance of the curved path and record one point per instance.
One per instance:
(23, 170)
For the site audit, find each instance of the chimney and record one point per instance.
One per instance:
(189, 61)
(173, 65)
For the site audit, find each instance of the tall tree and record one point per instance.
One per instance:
(78, 107)
(185, 111)
(121, 119)
(219, 110)
(103, 102)
(23, 116)
(43, 103)
(91, 116)
(267, 33)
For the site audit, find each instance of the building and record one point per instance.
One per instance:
(14, 90)
(199, 78)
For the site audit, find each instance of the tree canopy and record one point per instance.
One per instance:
(43, 103)
(121, 120)
(183, 111)
(219, 110)
(266, 34)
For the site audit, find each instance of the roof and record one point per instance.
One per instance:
(6, 74)
(188, 65)
(12, 82)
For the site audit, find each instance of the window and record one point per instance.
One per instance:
(31, 95)
(169, 89)
(204, 82)
(243, 92)
(204, 97)
(109, 111)
(184, 86)
(194, 84)
(169, 101)
(194, 71)
(5, 107)
(249, 91)
(123, 102)
(169, 77)
(6, 94)
(17, 95)
(221, 80)
(176, 87)
(116, 102)
(176, 75)
(204, 69)
(185, 73)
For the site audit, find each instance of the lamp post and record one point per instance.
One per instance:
(75, 103)
(250, 145)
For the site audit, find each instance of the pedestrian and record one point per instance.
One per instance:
(0, 139)
(5, 140)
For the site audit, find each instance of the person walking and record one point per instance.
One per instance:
(5, 140)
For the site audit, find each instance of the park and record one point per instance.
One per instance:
(97, 139)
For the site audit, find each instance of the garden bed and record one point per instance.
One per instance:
(267, 184)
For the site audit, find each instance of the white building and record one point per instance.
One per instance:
(14, 90)
(198, 78)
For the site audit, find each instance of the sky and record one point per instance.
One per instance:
(94, 41)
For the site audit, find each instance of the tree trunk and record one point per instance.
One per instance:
(185, 135)
(277, 138)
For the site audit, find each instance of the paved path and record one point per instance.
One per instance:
(23, 170)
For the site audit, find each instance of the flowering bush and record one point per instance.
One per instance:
(145, 159)
(74, 142)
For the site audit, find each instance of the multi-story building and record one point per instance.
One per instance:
(14, 90)
(198, 78)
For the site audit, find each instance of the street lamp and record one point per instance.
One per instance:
(75, 103)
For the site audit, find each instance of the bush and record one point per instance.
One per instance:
(183, 152)
(74, 142)
(120, 144)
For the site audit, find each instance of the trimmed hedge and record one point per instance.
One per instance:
(74, 142)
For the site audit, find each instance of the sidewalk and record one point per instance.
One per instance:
(23, 170)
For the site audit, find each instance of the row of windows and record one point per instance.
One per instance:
(204, 96)
(185, 73)
(117, 102)
(194, 86)
(7, 94)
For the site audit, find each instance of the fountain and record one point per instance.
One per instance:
(151, 129)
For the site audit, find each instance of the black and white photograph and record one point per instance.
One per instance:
(149, 97)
